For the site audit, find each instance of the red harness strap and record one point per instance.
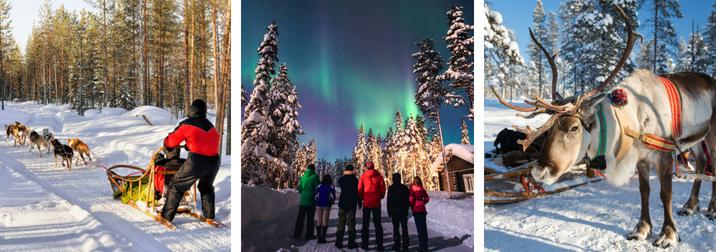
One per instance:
(707, 171)
(675, 102)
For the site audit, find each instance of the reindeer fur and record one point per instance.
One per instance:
(649, 111)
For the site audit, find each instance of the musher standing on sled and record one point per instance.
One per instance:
(202, 162)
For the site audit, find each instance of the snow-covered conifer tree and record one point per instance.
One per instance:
(460, 65)
(663, 35)
(502, 54)
(360, 152)
(430, 94)
(465, 135)
(255, 147)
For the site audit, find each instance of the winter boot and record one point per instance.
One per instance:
(406, 242)
(339, 239)
(320, 235)
(325, 231)
(352, 240)
(364, 238)
(396, 243)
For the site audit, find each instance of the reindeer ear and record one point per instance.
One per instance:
(588, 105)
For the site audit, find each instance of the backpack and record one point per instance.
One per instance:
(507, 140)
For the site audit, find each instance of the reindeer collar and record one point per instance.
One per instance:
(599, 162)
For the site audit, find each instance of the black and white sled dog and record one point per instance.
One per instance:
(47, 135)
(37, 140)
(63, 151)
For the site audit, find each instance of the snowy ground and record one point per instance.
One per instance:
(268, 219)
(44, 208)
(593, 217)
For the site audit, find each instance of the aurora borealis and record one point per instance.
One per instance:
(350, 62)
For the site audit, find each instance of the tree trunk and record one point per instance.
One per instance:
(187, 81)
(442, 146)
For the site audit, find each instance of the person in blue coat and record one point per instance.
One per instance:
(347, 204)
(325, 195)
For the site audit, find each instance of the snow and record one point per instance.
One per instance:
(44, 208)
(465, 152)
(593, 217)
(268, 218)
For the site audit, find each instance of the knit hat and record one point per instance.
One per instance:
(369, 165)
(349, 167)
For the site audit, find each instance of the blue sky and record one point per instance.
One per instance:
(517, 16)
(26, 13)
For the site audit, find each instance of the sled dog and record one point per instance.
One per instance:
(63, 151)
(81, 148)
(37, 140)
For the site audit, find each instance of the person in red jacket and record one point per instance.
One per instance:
(371, 189)
(418, 198)
(202, 162)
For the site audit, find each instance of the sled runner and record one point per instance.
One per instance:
(517, 184)
(145, 190)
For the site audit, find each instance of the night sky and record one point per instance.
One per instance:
(350, 61)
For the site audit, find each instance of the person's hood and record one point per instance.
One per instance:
(197, 109)
(372, 173)
(309, 172)
(396, 179)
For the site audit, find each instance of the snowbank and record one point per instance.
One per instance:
(268, 217)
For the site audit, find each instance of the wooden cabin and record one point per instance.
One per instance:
(460, 168)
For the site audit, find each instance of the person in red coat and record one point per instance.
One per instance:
(371, 189)
(418, 198)
(202, 162)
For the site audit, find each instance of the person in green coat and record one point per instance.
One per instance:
(307, 206)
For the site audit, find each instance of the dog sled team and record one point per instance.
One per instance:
(22, 134)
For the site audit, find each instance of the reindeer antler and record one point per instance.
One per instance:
(540, 106)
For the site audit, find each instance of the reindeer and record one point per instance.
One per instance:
(574, 122)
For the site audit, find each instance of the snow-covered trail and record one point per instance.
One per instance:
(84, 192)
(593, 217)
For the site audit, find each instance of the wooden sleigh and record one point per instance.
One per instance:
(517, 183)
(140, 189)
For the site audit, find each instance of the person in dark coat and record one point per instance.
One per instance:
(371, 189)
(307, 206)
(325, 195)
(398, 205)
(202, 162)
(347, 207)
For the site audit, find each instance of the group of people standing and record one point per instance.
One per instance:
(365, 193)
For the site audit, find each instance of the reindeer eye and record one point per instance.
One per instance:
(574, 128)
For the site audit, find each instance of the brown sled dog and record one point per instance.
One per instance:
(37, 140)
(63, 151)
(81, 148)
(11, 130)
(22, 132)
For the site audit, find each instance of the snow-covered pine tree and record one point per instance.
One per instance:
(682, 56)
(592, 44)
(538, 60)
(399, 146)
(461, 64)
(664, 33)
(284, 113)
(696, 50)
(360, 152)
(435, 149)
(465, 135)
(502, 55)
(710, 41)
(311, 152)
(255, 129)
(388, 161)
(645, 60)
(430, 94)
(300, 163)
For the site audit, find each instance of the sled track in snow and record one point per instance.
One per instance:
(88, 188)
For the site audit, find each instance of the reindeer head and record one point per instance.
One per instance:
(571, 120)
